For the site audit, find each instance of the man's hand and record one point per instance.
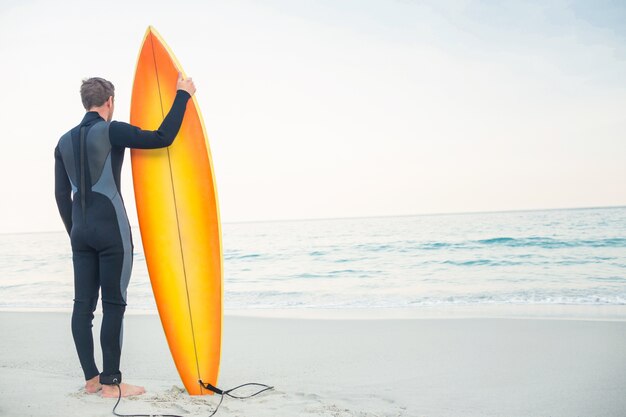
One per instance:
(185, 85)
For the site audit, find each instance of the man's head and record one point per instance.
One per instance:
(98, 94)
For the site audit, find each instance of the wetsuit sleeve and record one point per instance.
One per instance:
(62, 191)
(129, 136)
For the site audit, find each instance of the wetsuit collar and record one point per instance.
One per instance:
(90, 117)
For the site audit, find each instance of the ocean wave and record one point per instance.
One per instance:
(590, 299)
(438, 245)
(286, 300)
(614, 279)
(241, 256)
(549, 243)
(376, 247)
(509, 262)
(540, 242)
(483, 262)
(339, 273)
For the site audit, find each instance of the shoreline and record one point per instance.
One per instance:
(513, 311)
(495, 311)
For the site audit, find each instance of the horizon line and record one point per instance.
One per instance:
(451, 213)
(445, 213)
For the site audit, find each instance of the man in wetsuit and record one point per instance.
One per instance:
(88, 163)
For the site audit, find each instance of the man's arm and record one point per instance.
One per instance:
(62, 191)
(129, 136)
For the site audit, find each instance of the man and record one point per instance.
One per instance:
(88, 163)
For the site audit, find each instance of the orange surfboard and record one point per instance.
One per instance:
(179, 220)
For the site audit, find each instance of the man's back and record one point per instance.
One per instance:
(94, 175)
(89, 163)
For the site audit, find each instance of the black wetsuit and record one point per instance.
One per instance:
(88, 163)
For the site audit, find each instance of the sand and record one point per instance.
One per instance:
(336, 367)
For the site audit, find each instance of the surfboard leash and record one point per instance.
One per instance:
(222, 393)
(205, 385)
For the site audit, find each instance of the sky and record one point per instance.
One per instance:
(329, 108)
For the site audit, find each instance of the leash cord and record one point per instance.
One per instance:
(205, 385)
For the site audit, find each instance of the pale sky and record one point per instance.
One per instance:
(334, 108)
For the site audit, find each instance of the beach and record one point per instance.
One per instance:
(428, 367)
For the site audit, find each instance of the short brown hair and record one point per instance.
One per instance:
(94, 92)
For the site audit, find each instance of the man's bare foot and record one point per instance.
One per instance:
(93, 385)
(111, 391)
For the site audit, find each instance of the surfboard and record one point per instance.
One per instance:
(179, 220)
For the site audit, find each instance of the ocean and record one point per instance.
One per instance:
(571, 257)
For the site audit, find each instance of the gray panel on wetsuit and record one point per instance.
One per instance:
(106, 186)
(67, 154)
(98, 148)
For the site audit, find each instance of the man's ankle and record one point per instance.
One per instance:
(111, 379)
